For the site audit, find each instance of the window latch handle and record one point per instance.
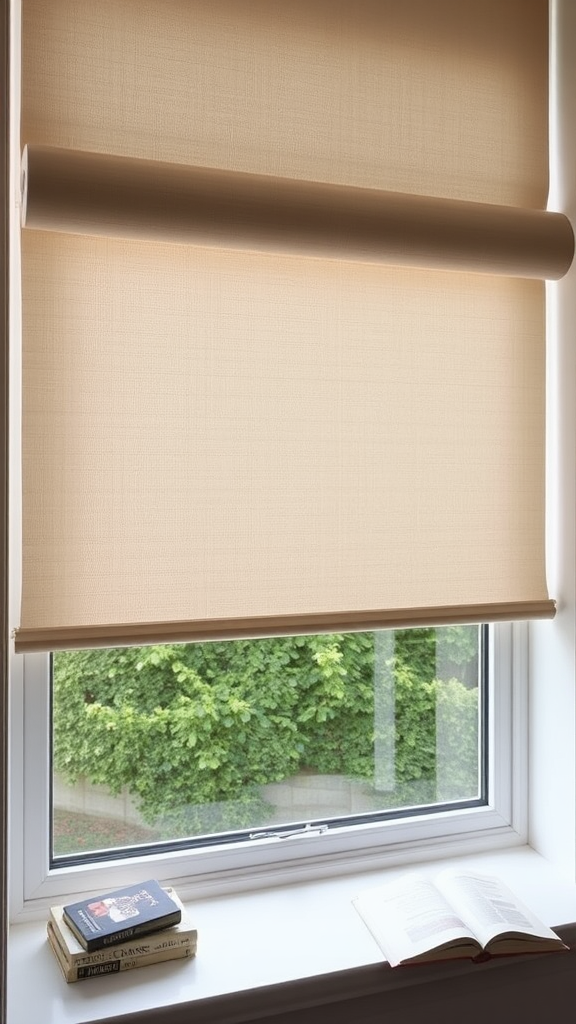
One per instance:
(294, 833)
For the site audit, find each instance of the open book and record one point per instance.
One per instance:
(459, 915)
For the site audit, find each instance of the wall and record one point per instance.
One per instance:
(306, 795)
(552, 751)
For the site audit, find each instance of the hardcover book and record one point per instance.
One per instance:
(80, 972)
(120, 915)
(459, 915)
(178, 936)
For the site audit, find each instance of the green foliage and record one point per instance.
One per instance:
(194, 730)
(457, 738)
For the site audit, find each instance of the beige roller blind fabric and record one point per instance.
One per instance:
(228, 442)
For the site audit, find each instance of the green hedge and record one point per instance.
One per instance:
(202, 726)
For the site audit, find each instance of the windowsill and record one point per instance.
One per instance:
(306, 938)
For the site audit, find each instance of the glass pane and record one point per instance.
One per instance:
(181, 741)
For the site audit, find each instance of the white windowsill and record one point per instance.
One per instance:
(290, 936)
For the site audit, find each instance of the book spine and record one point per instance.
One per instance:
(122, 934)
(73, 973)
(98, 970)
(156, 943)
(128, 950)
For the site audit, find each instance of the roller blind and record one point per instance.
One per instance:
(283, 316)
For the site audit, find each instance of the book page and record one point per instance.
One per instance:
(409, 917)
(489, 907)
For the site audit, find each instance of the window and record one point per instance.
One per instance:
(213, 743)
(500, 816)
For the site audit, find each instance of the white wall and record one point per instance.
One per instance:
(552, 708)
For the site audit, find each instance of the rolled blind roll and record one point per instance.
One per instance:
(123, 197)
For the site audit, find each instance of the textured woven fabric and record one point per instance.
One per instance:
(219, 435)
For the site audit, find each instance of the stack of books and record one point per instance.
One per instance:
(118, 931)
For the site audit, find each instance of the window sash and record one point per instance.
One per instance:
(250, 864)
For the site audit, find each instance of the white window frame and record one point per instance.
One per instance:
(264, 862)
(250, 865)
